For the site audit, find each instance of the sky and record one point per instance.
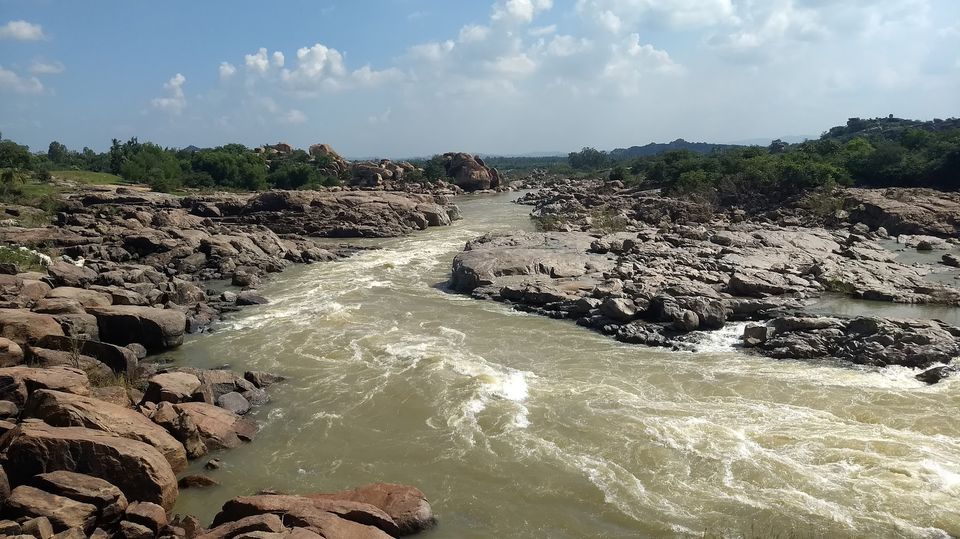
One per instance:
(404, 78)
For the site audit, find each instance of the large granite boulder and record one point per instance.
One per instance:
(17, 383)
(218, 428)
(330, 517)
(469, 172)
(25, 327)
(66, 410)
(156, 329)
(407, 506)
(109, 501)
(63, 513)
(136, 468)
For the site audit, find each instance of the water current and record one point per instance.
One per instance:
(515, 425)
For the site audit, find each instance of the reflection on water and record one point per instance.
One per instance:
(521, 426)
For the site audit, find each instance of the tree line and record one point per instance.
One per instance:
(231, 166)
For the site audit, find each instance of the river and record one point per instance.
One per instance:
(516, 425)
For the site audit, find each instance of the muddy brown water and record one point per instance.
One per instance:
(517, 425)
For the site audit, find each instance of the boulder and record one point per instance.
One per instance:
(121, 360)
(63, 513)
(407, 506)
(156, 329)
(10, 353)
(17, 383)
(66, 410)
(84, 297)
(136, 468)
(268, 522)
(25, 327)
(218, 428)
(109, 501)
(147, 514)
(66, 274)
(328, 516)
(38, 527)
(132, 530)
(197, 481)
(234, 402)
(174, 387)
(618, 309)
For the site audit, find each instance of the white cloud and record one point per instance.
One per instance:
(521, 11)
(541, 31)
(176, 101)
(47, 68)
(517, 64)
(13, 82)
(366, 76)
(671, 13)
(257, 62)
(473, 33)
(294, 116)
(564, 46)
(610, 21)
(278, 59)
(22, 31)
(227, 70)
(432, 51)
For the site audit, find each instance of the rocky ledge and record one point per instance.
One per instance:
(675, 267)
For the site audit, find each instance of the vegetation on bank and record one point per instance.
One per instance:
(883, 152)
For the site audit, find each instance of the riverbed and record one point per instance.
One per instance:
(515, 425)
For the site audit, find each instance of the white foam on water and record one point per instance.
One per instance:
(723, 340)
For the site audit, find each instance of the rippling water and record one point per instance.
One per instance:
(521, 426)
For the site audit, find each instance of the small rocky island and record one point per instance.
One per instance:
(96, 435)
(655, 270)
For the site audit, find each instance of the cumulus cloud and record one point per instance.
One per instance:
(257, 62)
(22, 31)
(11, 81)
(473, 33)
(47, 68)
(227, 70)
(175, 102)
(520, 11)
(671, 13)
(278, 59)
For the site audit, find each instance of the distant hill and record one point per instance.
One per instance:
(658, 148)
(886, 128)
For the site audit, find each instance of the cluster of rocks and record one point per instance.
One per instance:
(92, 438)
(102, 461)
(672, 267)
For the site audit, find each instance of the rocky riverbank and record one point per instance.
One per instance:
(95, 434)
(654, 270)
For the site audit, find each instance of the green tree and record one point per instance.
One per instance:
(58, 153)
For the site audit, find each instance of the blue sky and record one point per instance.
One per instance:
(415, 77)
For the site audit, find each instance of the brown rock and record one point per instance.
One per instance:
(109, 501)
(137, 469)
(174, 387)
(132, 530)
(255, 523)
(119, 359)
(301, 510)
(66, 410)
(17, 383)
(63, 513)
(10, 353)
(156, 329)
(39, 527)
(147, 514)
(25, 327)
(86, 298)
(72, 533)
(66, 274)
(406, 505)
(218, 428)
(197, 481)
